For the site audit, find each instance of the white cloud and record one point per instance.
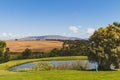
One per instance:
(90, 31)
(4, 35)
(7, 35)
(11, 35)
(74, 29)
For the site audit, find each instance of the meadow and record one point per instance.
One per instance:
(60, 75)
(54, 74)
(34, 45)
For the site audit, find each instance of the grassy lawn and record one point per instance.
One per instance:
(60, 75)
(55, 74)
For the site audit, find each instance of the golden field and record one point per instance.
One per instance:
(35, 46)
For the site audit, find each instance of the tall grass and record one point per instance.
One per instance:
(74, 66)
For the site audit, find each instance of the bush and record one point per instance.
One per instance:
(74, 66)
(42, 66)
(27, 53)
(6, 55)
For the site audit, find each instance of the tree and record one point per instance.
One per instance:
(6, 55)
(74, 47)
(2, 46)
(54, 52)
(105, 47)
(27, 53)
(116, 24)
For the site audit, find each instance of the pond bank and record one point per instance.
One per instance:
(56, 65)
(7, 65)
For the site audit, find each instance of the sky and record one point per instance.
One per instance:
(75, 18)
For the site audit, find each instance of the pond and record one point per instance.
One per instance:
(55, 63)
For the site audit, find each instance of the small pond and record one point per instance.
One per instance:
(55, 63)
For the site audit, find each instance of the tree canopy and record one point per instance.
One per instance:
(105, 47)
(2, 46)
(116, 24)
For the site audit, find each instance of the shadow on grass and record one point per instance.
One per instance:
(99, 70)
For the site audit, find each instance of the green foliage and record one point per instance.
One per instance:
(2, 46)
(42, 66)
(104, 47)
(3, 55)
(77, 47)
(27, 53)
(6, 55)
(54, 52)
(74, 66)
(116, 24)
(71, 48)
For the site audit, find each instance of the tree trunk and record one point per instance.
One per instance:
(104, 67)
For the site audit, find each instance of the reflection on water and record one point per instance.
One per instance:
(22, 66)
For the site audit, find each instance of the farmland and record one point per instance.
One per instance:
(35, 46)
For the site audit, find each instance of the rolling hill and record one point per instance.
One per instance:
(50, 37)
(34, 45)
(38, 43)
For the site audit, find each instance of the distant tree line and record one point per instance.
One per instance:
(71, 48)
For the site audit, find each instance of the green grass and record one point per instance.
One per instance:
(61, 75)
(9, 64)
(55, 74)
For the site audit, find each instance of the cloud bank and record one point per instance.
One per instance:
(82, 31)
(7, 35)
(74, 29)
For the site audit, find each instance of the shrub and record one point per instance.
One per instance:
(42, 66)
(74, 66)
(27, 53)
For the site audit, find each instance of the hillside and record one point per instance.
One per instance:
(50, 37)
(35, 46)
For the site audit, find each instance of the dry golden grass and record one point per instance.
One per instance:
(35, 46)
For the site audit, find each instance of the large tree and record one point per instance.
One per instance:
(2, 47)
(105, 47)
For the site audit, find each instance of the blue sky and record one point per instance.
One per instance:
(76, 18)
